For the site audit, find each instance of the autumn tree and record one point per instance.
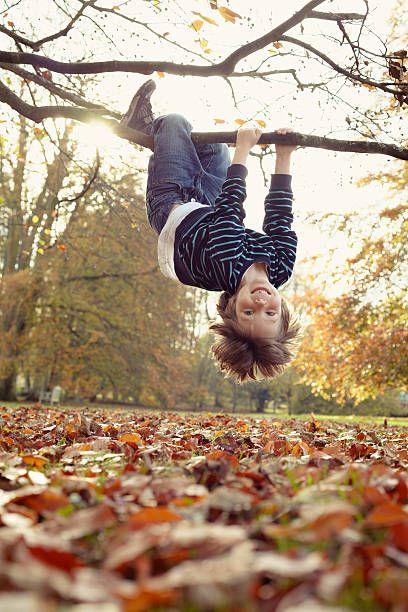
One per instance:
(105, 323)
(30, 196)
(356, 344)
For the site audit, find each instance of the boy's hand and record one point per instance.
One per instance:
(247, 137)
(283, 150)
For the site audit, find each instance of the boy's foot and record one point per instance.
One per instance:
(139, 115)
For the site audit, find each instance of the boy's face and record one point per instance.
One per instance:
(258, 309)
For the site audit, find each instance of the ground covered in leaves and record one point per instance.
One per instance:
(111, 510)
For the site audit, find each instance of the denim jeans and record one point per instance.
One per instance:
(180, 170)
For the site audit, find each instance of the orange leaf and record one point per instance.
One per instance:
(217, 121)
(197, 24)
(228, 14)
(261, 123)
(147, 516)
(132, 438)
(61, 247)
(11, 24)
(277, 44)
(240, 121)
(160, 74)
(386, 514)
(149, 600)
(37, 462)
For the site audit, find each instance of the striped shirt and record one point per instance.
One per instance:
(213, 249)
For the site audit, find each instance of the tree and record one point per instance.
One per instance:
(28, 214)
(104, 324)
(346, 49)
(355, 347)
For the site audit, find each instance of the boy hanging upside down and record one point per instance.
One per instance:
(194, 202)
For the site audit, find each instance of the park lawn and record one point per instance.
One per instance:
(135, 510)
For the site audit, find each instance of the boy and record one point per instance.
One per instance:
(194, 202)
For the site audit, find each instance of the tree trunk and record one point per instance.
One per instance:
(8, 388)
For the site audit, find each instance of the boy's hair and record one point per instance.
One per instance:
(245, 358)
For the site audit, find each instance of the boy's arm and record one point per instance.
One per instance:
(225, 233)
(278, 212)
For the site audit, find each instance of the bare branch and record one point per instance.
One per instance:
(104, 275)
(224, 68)
(54, 89)
(38, 44)
(335, 16)
(354, 77)
(303, 140)
(16, 37)
(87, 184)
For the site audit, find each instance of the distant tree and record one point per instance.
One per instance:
(106, 323)
(356, 344)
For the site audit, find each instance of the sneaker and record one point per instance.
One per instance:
(139, 115)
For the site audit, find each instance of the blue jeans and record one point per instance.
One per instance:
(180, 170)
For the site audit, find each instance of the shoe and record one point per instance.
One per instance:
(139, 115)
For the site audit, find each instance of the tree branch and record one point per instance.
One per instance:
(326, 58)
(224, 68)
(36, 45)
(53, 88)
(335, 16)
(39, 113)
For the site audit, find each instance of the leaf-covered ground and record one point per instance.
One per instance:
(111, 510)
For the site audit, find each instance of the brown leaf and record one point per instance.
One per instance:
(386, 514)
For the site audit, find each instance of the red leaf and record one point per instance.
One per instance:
(62, 559)
(386, 514)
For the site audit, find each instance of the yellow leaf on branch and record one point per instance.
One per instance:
(240, 121)
(228, 14)
(203, 43)
(204, 18)
(160, 74)
(217, 121)
(261, 123)
(197, 24)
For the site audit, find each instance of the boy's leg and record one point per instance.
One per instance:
(215, 160)
(172, 168)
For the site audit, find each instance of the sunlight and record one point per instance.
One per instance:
(97, 135)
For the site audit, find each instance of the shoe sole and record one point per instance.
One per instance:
(144, 92)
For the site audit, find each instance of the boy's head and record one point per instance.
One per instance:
(257, 333)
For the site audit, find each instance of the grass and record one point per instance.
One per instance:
(274, 416)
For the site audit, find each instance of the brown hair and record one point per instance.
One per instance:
(245, 358)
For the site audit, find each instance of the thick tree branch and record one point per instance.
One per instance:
(224, 68)
(40, 113)
(335, 16)
(53, 88)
